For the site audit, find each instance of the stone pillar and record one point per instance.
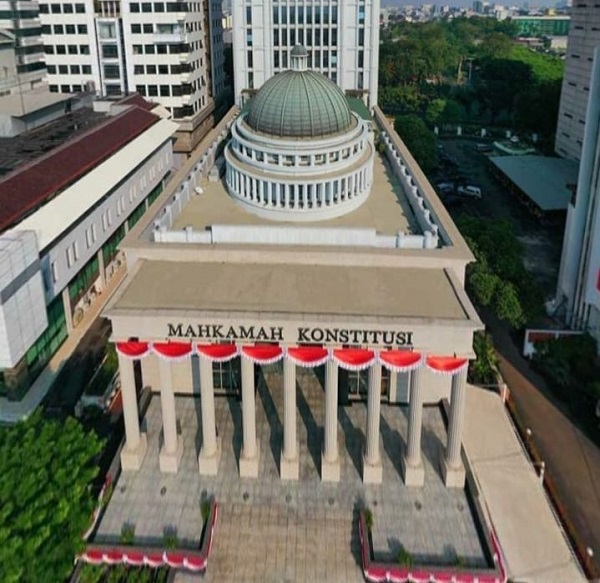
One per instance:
(172, 447)
(372, 467)
(210, 453)
(101, 268)
(393, 387)
(250, 455)
(290, 464)
(330, 462)
(412, 464)
(136, 443)
(453, 470)
(66, 300)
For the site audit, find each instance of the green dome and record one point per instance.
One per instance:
(299, 104)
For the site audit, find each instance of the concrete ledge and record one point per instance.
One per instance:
(168, 462)
(289, 469)
(208, 465)
(372, 473)
(414, 476)
(330, 471)
(249, 465)
(131, 459)
(452, 477)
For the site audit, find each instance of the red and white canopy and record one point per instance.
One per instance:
(133, 349)
(354, 358)
(446, 365)
(400, 360)
(263, 353)
(308, 356)
(172, 350)
(218, 352)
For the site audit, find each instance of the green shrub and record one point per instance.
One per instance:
(170, 540)
(127, 534)
(404, 558)
(369, 520)
(205, 506)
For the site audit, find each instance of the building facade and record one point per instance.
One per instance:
(584, 37)
(342, 41)
(578, 295)
(59, 237)
(170, 52)
(371, 297)
(21, 21)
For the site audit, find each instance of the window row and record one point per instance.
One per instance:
(137, 7)
(161, 49)
(316, 59)
(67, 49)
(62, 8)
(64, 29)
(299, 14)
(69, 69)
(163, 69)
(289, 37)
(162, 90)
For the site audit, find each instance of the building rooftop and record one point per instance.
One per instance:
(386, 209)
(42, 177)
(294, 290)
(544, 180)
(28, 102)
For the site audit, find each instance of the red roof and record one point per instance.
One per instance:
(34, 183)
(137, 99)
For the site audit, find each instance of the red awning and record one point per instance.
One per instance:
(400, 360)
(354, 358)
(218, 352)
(446, 364)
(133, 349)
(308, 355)
(173, 350)
(263, 353)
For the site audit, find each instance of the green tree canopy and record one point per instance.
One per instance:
(46, 469)
(419, 139)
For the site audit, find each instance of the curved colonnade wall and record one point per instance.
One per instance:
(299, 180)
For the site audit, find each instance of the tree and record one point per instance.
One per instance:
(484, 369)
(419, 139)
(46, 469)
(507, 305)
(434, 111)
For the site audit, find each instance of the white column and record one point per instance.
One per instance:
(250, 456)
(66, 300)
(101, 268)
(289, 464)
(172, 447)
(330, 463)
(136, 444)
(372, 468)
(412, 465)
(210, 454)
(452, 468)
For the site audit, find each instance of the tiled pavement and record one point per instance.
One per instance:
(271, 530)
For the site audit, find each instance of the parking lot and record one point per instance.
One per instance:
(541, 243)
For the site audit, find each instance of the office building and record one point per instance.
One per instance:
(170, 52)
(584, 37)
(74, 188)
(342, 40)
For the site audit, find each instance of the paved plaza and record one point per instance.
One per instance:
(271, 530)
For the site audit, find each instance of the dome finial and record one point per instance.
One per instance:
(299, 58)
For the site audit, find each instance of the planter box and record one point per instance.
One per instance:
(378, 571)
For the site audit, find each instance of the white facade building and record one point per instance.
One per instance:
(342, 41)
(584, 37)
(59, 251)
(170, 52)
(579, 277)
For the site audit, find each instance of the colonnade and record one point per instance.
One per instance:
(172, 448)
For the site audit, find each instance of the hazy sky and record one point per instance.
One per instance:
(469, 3)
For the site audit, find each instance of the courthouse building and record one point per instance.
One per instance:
(296, 237)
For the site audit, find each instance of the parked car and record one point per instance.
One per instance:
(445, 186)
(483, 148)
(469, 190)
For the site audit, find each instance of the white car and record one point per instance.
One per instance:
(469, 190)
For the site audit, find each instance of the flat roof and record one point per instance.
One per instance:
(544, 180)
(28, 102)
(34, 183)
(293, 289)
(386, 209)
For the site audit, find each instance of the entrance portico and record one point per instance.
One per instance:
(353, 359)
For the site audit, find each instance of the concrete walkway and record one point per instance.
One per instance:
(532, 542)
(14, 411)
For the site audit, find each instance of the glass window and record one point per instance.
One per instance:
(67, 8)
(63, 69)
(84, 49)
(112, 72)
(159, 7)
(82, 29)
(146, 7)
(58, 29)
(86, 69)
(72, 49)
(110, 51)
(136, 28)
(138, 69)
(55, 8)
(70, 28)
(80, 8)
(107, 30)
